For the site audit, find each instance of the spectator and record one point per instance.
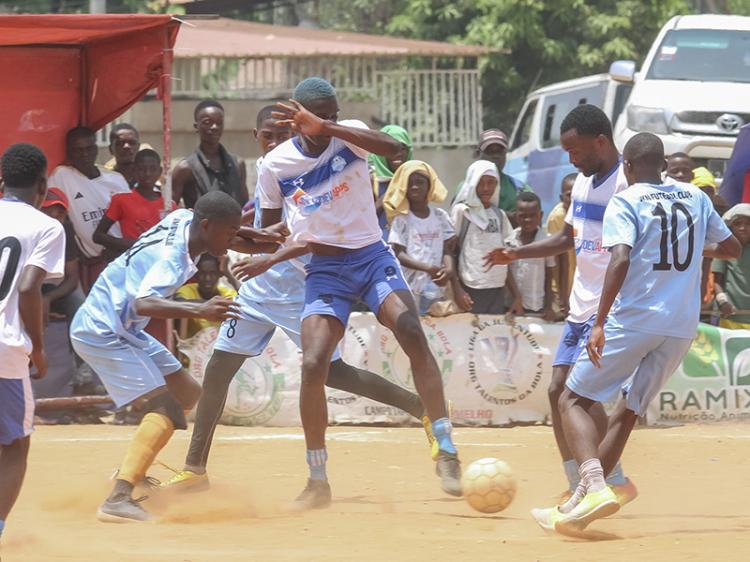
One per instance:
(124, 144)
(422, 237)
(136, 211)
(566, 262)
(210, 271)
(706, 181)
(211, 167)
(384, 168)
(481, 227)
(493, 146)
(680, 167)
(732, 277)
(89, 190)
(533, 276)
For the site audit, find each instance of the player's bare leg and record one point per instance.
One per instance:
(320, 335)
(13, 469)
(165, 413)
(399, 313)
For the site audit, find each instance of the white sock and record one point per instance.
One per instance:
(573, 500)
(592, 475)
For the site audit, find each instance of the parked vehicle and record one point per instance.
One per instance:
(693, 89)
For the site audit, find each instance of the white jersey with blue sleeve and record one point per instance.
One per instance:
(157, 264)
(667, 227)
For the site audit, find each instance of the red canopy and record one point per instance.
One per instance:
(60, 71)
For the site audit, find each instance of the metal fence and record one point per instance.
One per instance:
(437, 107)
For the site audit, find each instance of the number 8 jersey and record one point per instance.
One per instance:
(27, 237)
(666, 227)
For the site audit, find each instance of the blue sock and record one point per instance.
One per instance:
(441, 429)
(316, 460)
(571, 471)
(617, 476)
(2, 526)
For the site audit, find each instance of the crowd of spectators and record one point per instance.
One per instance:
(440, 247)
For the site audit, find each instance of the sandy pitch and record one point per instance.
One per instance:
(694, 503)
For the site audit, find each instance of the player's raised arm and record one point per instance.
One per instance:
(260, 241)
(553, 245)
(252, 267)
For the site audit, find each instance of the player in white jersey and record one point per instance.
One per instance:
(321, 180)
(32, 250)
(646, 319)
(586, 134)
(271, 299)
(108, 330)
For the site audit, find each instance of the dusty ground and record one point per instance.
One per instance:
(694, 504)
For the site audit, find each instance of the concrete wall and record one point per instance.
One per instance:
(146, 116)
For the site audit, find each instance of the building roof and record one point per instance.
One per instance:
(225, 37)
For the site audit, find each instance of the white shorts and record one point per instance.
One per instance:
(652, 358)
(250, 334)
(127, 371)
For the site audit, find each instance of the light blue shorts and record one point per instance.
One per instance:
(16, 409)
(652, 358)
(258, 321)
(127, 371)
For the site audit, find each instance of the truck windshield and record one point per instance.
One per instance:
(704, 55)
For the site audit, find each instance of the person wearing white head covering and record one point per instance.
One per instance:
(481, 225)
(732, 277)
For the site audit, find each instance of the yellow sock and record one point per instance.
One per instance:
(152, 434)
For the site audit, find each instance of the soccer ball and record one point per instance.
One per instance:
(488, 485)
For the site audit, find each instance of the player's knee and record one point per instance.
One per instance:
(167, 405)
(566, 400)
(315, 368)
(556, 388)
(410, 333)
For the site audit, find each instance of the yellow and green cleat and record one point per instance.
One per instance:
(594, 505)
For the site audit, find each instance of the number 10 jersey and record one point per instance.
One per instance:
(667, 227)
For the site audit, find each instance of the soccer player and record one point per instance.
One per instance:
(321, 180)
(108, 330)
(656, 235)
(273, 296)
(586, 135)
(32, 250)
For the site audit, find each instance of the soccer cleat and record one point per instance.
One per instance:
(427, 424)
(546, 517)
(625, 493)
(316, 495)
(187, 480)
(123, 511)
(448, 468)
(564, 496)
(594, 505)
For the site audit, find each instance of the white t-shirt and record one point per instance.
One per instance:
(88, 200)
(478, 243)
(327, 197)
(27, 237)
(529, 274)
(423, 240)
(586, 214)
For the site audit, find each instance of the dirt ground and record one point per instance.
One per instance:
(694, 503)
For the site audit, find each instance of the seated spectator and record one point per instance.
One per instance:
(89, 190)
(421, 236)
(211, 167)
(706, 181)
(136, 211)
(384, 168)
(680, 167)
(533, 276)
(207, 287)
(482, 227)
(732, 277)
(566, 262)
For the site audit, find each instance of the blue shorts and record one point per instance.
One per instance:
(16, 409)
(572, 342)
(653, 358)
(335, 283)
(127, 371)
(249, 335)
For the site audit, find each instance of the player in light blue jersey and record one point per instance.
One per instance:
(108, 330)
(272, 296)
(646, 320)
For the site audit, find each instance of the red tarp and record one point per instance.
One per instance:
(59, 71)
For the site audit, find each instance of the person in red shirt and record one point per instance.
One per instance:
(136, 211)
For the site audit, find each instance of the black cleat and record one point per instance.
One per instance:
(448, 468)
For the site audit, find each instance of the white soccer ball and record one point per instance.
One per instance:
(488, 485)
